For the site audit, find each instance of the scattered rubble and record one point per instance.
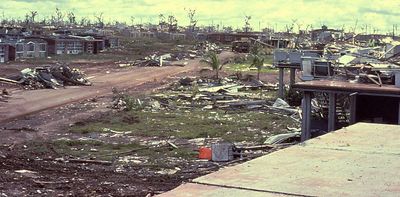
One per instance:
(283, 138)
(54, 76)
(158, 60)
(227, 94)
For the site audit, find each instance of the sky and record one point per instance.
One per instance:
(361, 14)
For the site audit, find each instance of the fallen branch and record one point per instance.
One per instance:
(172, 144)
(123, 153)
(49, 182)
(8, 80)
(101, 162)
(142, 148)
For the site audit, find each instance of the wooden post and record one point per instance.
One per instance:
(281, 85)
(332, 112)
(292, 76)
(353, 108)
(398, 122)
(306, 119)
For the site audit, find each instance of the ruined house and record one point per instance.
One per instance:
(30, 48)
(325, 35)
(73, 45)
(7, 52)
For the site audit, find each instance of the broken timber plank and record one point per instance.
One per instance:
(8, 80)
(101, 162)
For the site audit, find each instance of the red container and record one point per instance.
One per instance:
(205, 153)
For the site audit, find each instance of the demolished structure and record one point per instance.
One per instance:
(50, 77)
(344, 83)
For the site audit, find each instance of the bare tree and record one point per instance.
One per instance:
(355, 26)
(290, 28)
(59, 16)
(53, 20)
(27, 20)
(247, 26)
(227, 29)
(172, 23)
(33, 15)
(192, 19)
(84, 21)
(132, 20)
(71, 18)
(161, 21)
(100, 20)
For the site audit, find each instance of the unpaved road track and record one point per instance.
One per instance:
(28, 102)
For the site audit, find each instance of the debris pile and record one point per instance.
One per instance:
(157, 60)
(365, 64)
(124, 102)
(154, 61)
(51, 77)
(202, 48)
(375, 62)
(228, 93)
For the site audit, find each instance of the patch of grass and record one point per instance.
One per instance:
(242, 126)
(80, 148)
(90, 148)
(245, 67)
(105, 151)
(269, 95)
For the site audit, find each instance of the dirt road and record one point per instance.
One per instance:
(28, 102)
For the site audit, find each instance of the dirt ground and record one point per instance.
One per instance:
(33, 161)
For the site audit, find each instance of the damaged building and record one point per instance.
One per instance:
(7, 52)
(344, 84)
(73, 45)
(31, 48)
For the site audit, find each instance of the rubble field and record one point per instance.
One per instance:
(143, 140)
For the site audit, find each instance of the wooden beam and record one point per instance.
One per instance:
(332, 112)
(281, 84)
(398, 121)
(292, 76)
(306, 114)
(8, 80)
(262, 43)
(353, 108)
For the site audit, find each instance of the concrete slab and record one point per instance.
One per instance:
(360, 160)
(361, 137)
(195, 190)
(314, 172)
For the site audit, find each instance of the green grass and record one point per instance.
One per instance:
(81, 148)
(106, 151)
(235, 127)
(244, 66)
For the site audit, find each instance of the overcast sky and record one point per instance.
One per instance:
(380, 14)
